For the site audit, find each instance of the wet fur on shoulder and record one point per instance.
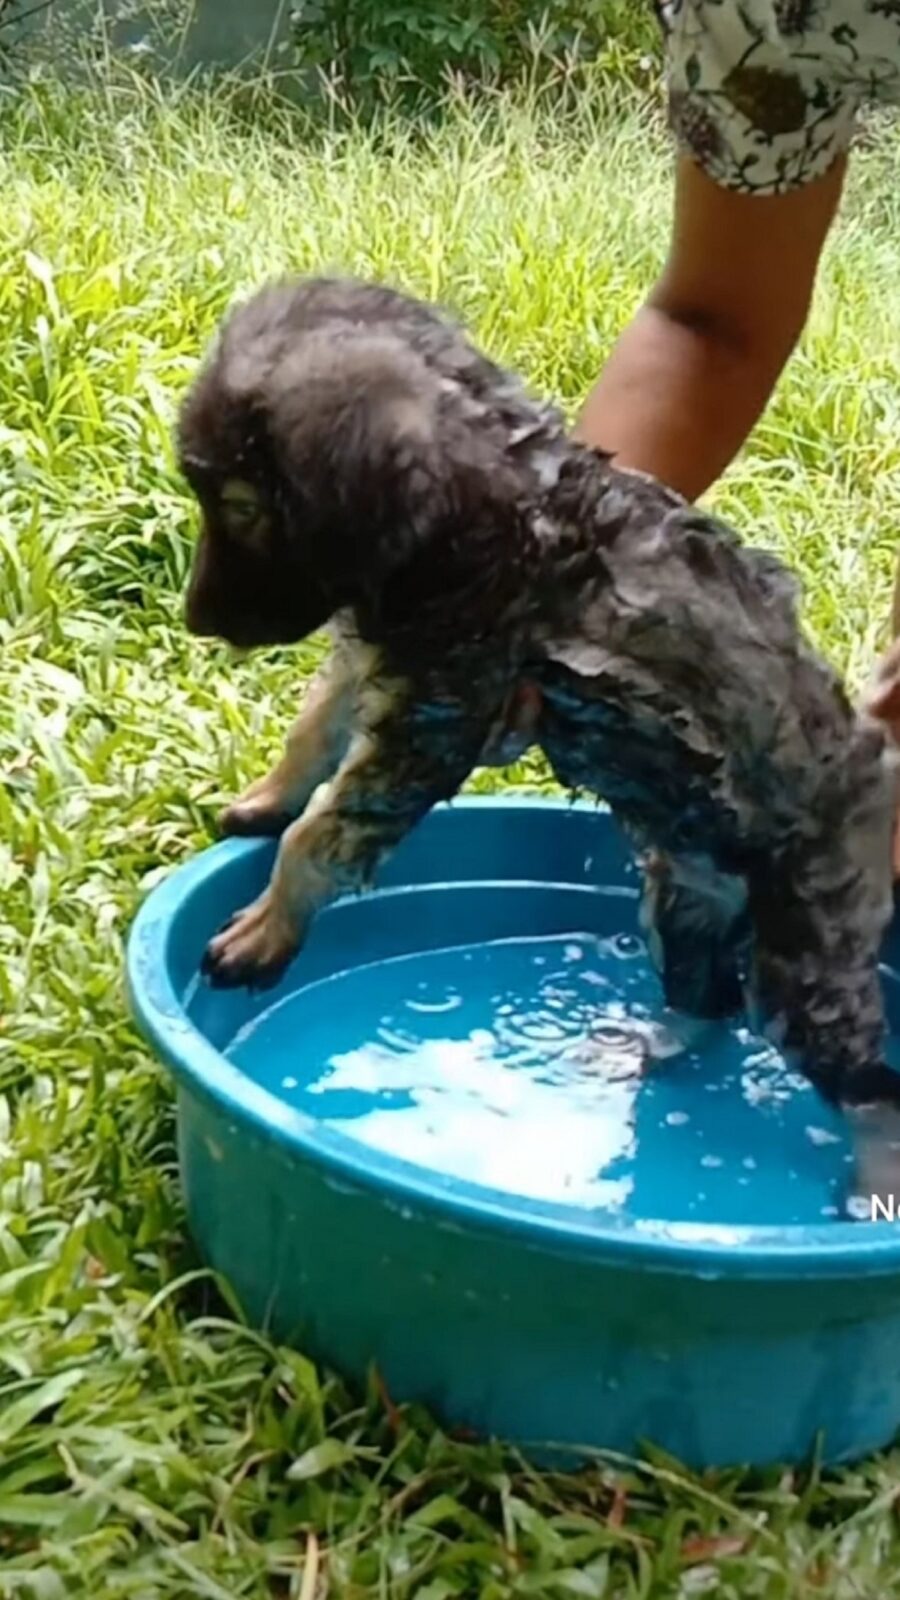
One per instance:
(359, 463)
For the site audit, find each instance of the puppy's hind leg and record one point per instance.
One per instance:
(815, 991)
(696, 927)
(315, 747)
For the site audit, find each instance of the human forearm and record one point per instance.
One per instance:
(688, 379)
(677, 400)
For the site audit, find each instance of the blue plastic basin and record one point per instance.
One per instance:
(461, 1139)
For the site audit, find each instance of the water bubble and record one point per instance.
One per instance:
(540, 1028)
(616, 1052)
(677, 1119)
(821, 1136)
(435, 1007)
(289, 1083)
(613, 1036)
(711, 1161)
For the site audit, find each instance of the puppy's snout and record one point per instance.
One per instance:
(207, 617)
(197, 617)
(203, 609)
(204, 623)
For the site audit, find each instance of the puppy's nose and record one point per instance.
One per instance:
(195, 622)
(199, 623)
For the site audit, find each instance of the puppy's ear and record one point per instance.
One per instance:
(356, 424)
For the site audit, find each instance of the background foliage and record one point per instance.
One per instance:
(151, 1446)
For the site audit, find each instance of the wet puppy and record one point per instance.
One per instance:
(360, 464)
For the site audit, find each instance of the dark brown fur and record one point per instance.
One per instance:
(359, 463)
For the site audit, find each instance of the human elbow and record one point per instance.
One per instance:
(759, 337)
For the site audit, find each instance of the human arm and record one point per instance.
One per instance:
(691, 374)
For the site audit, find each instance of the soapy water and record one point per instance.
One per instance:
(548, 1068)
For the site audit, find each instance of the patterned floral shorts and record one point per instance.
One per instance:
(764, 93)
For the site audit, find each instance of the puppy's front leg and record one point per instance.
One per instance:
(315, 744)
(393, 774)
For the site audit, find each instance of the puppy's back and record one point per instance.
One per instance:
(669, 608)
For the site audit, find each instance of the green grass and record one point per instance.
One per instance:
(148, 1443)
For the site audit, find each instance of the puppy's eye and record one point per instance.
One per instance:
(242, 511)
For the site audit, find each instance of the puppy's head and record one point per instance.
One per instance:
(315, 454)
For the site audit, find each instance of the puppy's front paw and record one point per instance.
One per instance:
(253, 948)
(876, 1186)
(254, 816)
